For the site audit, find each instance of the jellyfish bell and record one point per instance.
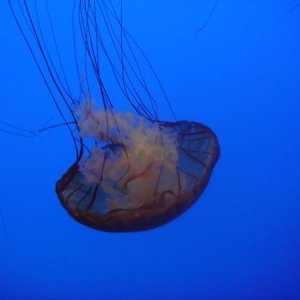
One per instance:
(132, 171)
(148, 174)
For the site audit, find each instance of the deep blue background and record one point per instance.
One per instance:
(240, 75)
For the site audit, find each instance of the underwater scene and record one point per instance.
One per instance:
(149, 149)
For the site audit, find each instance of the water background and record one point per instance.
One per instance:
(240, 75)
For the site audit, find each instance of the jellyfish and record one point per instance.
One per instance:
(132, 171)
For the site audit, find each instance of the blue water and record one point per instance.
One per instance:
(240, 75)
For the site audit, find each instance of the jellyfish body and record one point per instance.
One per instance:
(148, 175)
(132, 171)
